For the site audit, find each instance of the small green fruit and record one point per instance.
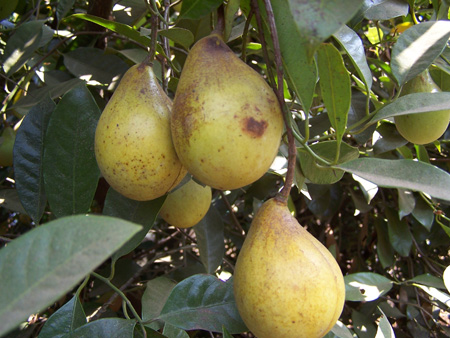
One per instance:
(422, 128)
(286, 283)
(133, 144)
(6, 147)
(186, 206)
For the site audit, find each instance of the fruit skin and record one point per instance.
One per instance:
(186, 206)
(133, 144)
(7, 140)
(226, 120)
(422, 128)
(286, 283)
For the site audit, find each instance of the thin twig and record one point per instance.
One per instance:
(233, 216)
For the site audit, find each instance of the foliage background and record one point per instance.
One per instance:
(103, 275)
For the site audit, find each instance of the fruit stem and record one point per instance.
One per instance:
(154, 36)
(220, 26)
(283, 195)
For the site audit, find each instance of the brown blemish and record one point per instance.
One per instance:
(214, 44)
(253, 127)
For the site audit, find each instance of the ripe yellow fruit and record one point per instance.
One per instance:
(286, 283)
(186, 206)
(226, 120)
(133, 144)
(422, 128)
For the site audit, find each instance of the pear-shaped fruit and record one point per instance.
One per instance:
(226, 120)
(186, 206)
(286, 283)
(133, 144)
(426, 127)
(6, 146)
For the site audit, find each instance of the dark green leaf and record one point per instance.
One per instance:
(365, 286)
(21, 46)
(9, 199)
(94, 64)
(317, 20)
(384, 9)
(63, 322)
(341, 331)
(335, 87)
(406, 202)
(320, 174)
(385, 251)
(406, 174)
(428, 280)
(399, 233)
(225, 333)
(7, 7)
(196, 9)
(230, 11)
(203, 302)
(384, 327)
(354, 47)
(174, 332)
(155, 296)
(363, 325)
(28, 154)
(210, 240)
(42, 265)
(417, 48)
(423, 213)
(302, 74)
(106, 327)
(143, 213)
(181, 36)
(70, 169)
(63, 8)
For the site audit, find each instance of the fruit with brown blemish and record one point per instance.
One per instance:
(286, 283)
(187, 205)
(133, 144)
(422, 128)
(222, 103)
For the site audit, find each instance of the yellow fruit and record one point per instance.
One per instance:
(286, 283)
(425, 127)
(6, 147)
(226, 120)
(133, 144)
(186, 206)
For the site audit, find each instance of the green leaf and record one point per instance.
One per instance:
(302, 73)
(406, 174)
(341, 331)
(385, 251)
(63, 322)
(384, 327)
(436, 294)
(7, 7)
(28, 154)
(428, 280)
(225, 333)
(95, 64)
(399, 233)
(317, 20)
(63, 8)
(363, 325)
(70, 170)
(335, 87)
(327, 150)
(196, 9)
(417, 48)
(155, 296)
(174, 332)
(423, 213)
(406, 202)
(365, 286)
(384, 9)
(203, 302)
(181, 36)
(354, 47)
(230, 11)
(42, 265)
(107, 327)
(21, 46)
(210, 240)
(143, 213)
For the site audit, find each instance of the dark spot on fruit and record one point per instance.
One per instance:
(214, 44)
(143, 91)
(253, 127)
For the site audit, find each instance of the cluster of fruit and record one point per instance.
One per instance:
(224, 128)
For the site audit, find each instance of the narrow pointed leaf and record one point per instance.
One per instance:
(399, 234)
(63, 322)
(301, 72)
(384, 327)
(406, 174)
(317, 20)
(28, 155)
(143, 213)
(417, 48)
(335, 87)
(354, 47)
(70, 169)
(203, 302)
(42, 265)
(210, 240)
